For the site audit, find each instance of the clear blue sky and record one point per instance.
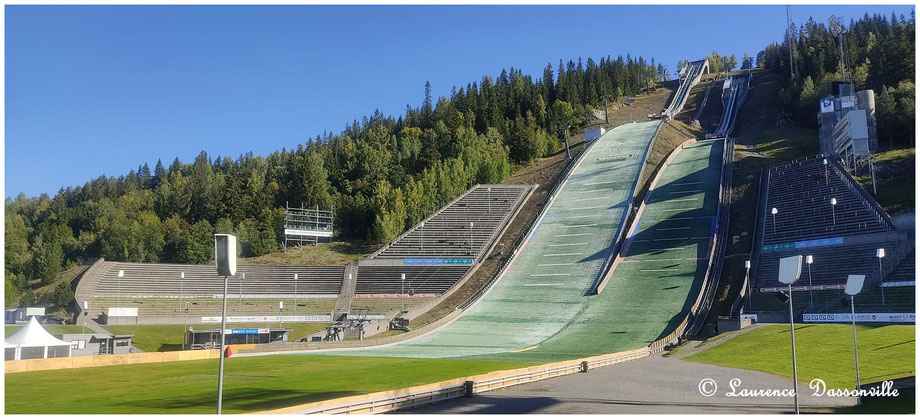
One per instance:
(96, 90)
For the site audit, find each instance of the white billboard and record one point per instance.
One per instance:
(255, 319)
(308, 233)
(861, 318)
(122, 312)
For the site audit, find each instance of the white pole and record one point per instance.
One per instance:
(855, 349)
(880, 253)
(402, 291)
(471, 239)
(811, 291)
(223, 327)
(872, 169)
(422, 239)
(295, 294)
(181, 288)
(795, 374)
(489, 198)
(242, 277)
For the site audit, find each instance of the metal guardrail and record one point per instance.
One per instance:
(453, 389)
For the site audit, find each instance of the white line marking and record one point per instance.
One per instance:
(683, 199)
(686, 183)
(692, 191)
(678, 209)
(575, 234)
(675, 238)
(580, 216)
(590, 199)
(672, 228)
(571, 244)
(552, 284)
(584, 208)
(562, 254)
(663, 260)
(600, 183)
(668, 248)
(556, 264)
(580, 225)
(549, 274)
(658, 270)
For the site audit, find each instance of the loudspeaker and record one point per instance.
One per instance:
(225, 254)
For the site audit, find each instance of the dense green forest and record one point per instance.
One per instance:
(882, 58)
(380, 175)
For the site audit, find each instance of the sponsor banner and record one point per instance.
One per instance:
(122, 312)
(860, 318)
(806, 288)
(367, 317)
(437, 261)
(805, 244)
(827, 105)
(894, 284)
(847, 102)
(395, 295)
(256, 319)
(307, 233)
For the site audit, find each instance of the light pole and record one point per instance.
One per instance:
(181, 288)
(854, 286)
(471, 238)
(774, 211)
(185, 330)
(790, 269)
(833, 212)
(225, 256)
(85, 307)
(402, 291)
(826, 178)
(872, 169)
(422, 238)
(489, 198)
(295, 294)
(280, 313)
(880, 254)
(811, 293)
(747, 279)
(121, 274)
(242, 277)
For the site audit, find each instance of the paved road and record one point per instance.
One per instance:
(652, 385)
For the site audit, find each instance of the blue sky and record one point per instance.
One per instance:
(96, 90)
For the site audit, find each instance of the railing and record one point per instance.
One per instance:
(388, 401)
(871, 204)
(518, 244)
(700, 310)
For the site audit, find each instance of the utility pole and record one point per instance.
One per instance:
(565, 138)
(606, 109)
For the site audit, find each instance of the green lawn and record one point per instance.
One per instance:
(250, 384)
(894, 179)
(168, 337)
(823, 351)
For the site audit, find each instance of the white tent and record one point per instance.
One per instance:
(33, 341)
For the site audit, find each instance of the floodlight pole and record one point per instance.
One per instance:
(811, 291)
(402, 291)
(795, 374)
(827, 180)
(181, 288)
(471, 239)
(833, 211)
(881, 281)
(422, 239)
(295, 294)
(223, 327)
(855, 348)
(242, 277)
(489, 198)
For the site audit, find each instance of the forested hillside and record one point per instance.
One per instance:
(882, 58)
(380, 175)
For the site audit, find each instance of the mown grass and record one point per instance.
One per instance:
(894, 179)
(823, 351)
(251, 384)
(335, 253)
(169, 337)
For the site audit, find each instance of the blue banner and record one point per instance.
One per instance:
(833, 241)
(437, 261)
(244, 331)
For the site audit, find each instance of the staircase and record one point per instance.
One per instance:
(343, 305)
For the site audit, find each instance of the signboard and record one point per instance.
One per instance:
(848, 102)
(310, 233)
(806, 288)
(256, 319)
(804, 244)
(122, 312)
(894, 284)
(395, 295)
(367, 317)
(250, 331)
(861, 318)
(437, 261)
(827, 105)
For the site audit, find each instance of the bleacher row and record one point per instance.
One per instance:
(143, 280)
(424, 279)
(832, 264)
(801, 191)
(448, 233)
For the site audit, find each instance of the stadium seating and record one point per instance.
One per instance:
(448, 234)
(802, 194)
(420, 279)
(832, 264)
(157, 280)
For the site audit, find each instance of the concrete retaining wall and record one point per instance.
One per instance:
(106, 360)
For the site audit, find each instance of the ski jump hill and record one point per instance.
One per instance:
(545, 304)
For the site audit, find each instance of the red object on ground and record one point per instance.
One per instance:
(229, 352)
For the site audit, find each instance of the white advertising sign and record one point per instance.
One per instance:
(310, 233)
(860, 318)
(122, 312)
(256, 319)
(827, 105)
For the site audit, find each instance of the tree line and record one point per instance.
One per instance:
(380, 175)
(881, 55)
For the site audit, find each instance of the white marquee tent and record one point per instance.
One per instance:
(33, 341)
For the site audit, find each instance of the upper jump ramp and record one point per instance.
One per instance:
(547, 284)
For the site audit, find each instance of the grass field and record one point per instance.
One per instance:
(894, 178)
(168, 337)
(250, 384)
(823, 351)
(335, 253)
